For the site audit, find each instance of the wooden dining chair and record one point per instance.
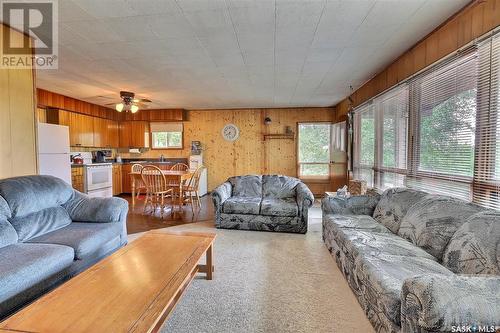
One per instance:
(189, 189)
(179, 167)
(139, 184)
(158, 190)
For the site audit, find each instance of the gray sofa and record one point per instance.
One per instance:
(50, 232)
(268, 203)
(417, 262)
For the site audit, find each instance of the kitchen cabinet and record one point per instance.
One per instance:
(105, 133)
(81, 127)
(117, 179)
(134, 134)
(126, 184)
(77, 178)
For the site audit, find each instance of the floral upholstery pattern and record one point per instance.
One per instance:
(246, 186)
(358, 205)
(279, 207)
(431, 222)
(475, 247)
(399, 283)
(264, 203)
(394, 204)
(435, 303)
(242, 205)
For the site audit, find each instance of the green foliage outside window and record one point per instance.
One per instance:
(167, 139)
(314, 147)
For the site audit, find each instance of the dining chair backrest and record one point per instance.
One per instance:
(154, 179)
(137, 168)
(179, 167)
(196, 177)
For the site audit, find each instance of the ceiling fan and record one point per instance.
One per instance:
(130, 103)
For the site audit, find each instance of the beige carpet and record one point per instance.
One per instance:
(269, 282)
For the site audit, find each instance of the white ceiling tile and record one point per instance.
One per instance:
(233, 53)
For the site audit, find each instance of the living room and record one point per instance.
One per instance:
(250, 166)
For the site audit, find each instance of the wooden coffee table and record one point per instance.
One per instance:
(133, 290)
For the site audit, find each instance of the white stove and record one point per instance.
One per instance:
(97, 177)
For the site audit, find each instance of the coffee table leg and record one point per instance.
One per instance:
(210, 263)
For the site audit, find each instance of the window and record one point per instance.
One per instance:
(487, 167)
(166, 135)
(382, 136)
(314, 150)
(444, 105)
(439, 131)
(365, 144)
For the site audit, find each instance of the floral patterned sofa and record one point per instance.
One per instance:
(417, 262)
(268, 203)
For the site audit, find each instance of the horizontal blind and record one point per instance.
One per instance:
(392, 125)
(166, 127)
(364, 143)
(443, 107)
(487, 165)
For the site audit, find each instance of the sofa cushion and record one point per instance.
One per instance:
(475, 246)
(85, 238)
(279, 207)
(360, 242)
(356, 205)
(41, 222)
(382, 278)
(8, 234)
(393, 205)
(22, 266)
(431, 222)
(274, 186)
(358, 222)
(29, 194)
(242, 205)
(246, 186)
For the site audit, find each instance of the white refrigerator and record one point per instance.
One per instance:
(53, 151)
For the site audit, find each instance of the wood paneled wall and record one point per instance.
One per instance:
(57, 101)
(17, 119)
(471, 22)
(250, 154)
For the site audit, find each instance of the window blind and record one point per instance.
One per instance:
(364, 143)
(443, 108)
(487, 164)
(166, 127)
(392, 126)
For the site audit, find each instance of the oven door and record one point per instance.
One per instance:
(98, 177)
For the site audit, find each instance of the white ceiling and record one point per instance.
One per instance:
(206, 54)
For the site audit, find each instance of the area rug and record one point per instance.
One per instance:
(268, 282)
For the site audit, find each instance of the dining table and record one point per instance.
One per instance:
(172, 176)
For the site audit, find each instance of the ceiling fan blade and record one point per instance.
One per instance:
(110, 104)
(142, 100)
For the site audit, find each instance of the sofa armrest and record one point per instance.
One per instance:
(82, 208)
(221, 194)
(305, 198)
(436, 303)
(355, 205)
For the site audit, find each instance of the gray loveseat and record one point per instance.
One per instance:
(268, 203)
(50, 232)
(417, 262)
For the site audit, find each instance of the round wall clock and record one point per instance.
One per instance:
(230, 132)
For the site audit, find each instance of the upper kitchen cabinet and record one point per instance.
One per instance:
(81, 127)
(134, 134)
(105, 133)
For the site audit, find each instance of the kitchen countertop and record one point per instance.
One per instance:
(143, 161)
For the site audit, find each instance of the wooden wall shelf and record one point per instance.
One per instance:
(279, 137)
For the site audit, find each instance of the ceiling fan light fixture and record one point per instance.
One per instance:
(134, 108)
(119, 107)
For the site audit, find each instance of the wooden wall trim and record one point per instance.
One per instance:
(48, 99)
(471, 22)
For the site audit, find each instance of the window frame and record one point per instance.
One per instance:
(318, 178)
(153, 147)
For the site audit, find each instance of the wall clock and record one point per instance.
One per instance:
(230, 132)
